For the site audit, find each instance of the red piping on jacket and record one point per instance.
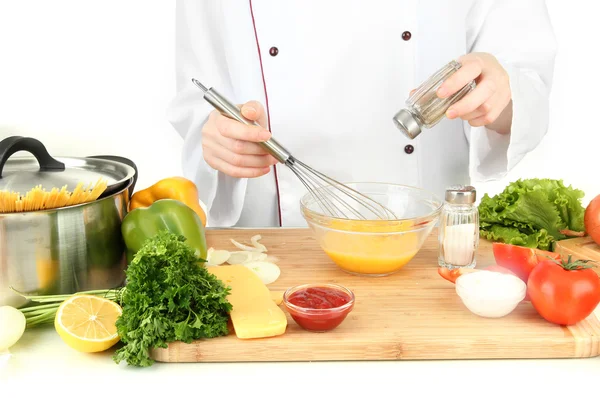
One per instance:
(266, 105)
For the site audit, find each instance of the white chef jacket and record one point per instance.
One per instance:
(332, 74)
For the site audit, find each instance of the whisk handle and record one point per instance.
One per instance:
(227, 108)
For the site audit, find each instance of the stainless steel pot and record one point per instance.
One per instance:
(69, 249)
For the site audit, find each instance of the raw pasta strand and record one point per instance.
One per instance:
(40, 199)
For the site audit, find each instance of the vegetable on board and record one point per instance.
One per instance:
(592, 219)
(43, 309)
(253, 257)
(12, 326)
(533, 213)
(520, 260)
(178, 188)
(164, 214)
(168, 297)
(564, 292)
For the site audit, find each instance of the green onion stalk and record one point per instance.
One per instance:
(44, 312)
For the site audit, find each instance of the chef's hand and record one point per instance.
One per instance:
(489, 104)
(231, 147)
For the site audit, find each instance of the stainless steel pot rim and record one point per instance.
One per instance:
(22, 173)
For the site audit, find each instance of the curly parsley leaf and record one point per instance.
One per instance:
(169, 296)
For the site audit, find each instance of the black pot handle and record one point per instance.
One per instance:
(122, 160)
(10, 145)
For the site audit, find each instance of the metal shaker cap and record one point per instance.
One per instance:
(405, 121)
(461, 194)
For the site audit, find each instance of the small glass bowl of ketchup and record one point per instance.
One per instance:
(318, 307)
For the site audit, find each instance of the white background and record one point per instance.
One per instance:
(89, 78)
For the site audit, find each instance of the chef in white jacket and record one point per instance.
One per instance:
(326, 78)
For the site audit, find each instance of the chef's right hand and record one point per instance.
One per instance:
(232, 147)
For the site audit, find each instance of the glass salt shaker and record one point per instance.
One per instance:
(459, 228)
(424, 109)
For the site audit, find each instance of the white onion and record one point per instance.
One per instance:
(255, 243)
(217, 257)
(245, 247)
(12, 326)
(253, 257)
(267, 272)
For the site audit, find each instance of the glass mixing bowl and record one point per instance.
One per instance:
(375, 247)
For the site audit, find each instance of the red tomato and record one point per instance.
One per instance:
(591, 219)
(452, 275)
(563, 296)
(520, 260)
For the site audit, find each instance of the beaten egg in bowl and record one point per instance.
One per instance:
(376, 247)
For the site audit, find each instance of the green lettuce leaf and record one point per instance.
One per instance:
(532, 213)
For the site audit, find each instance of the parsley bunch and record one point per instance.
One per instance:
(170, 296)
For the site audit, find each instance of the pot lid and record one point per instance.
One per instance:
(22, 173)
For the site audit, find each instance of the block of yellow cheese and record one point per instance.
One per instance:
(254, 314)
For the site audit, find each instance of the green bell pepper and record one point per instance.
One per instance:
(164, 214)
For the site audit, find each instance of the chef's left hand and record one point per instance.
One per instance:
(489, 104)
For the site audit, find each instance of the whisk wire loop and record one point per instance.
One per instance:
(337, 199)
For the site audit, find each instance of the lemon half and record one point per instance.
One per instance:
(88, 323)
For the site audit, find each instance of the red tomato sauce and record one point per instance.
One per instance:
(319, 307)
(319, 298)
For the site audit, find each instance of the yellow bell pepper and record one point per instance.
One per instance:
(177, 188)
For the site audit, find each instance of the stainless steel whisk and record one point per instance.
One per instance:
(340, 201)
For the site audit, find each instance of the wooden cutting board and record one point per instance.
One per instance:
(413, 314)
(580, 249)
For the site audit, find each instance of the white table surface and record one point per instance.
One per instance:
(41, 363)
